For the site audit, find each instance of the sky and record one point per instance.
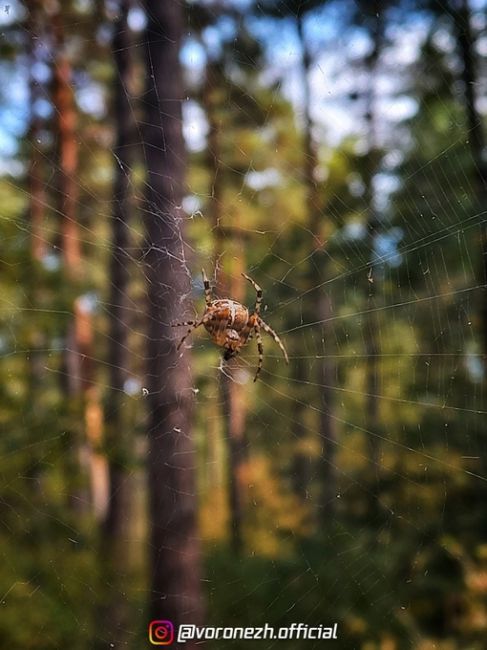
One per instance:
(331, 79)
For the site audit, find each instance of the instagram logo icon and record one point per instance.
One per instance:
(161, 632)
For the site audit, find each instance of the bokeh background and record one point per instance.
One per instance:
(333, 150)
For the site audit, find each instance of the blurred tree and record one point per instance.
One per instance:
(374, 19)
(119, 441)
(317, 306)
(471, 81)
(227, 284)
(174, 545)
(37, 194)
(66, 124)
(230, 236)
(77, 334)
(434, 208)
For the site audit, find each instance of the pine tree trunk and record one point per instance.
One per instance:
(68, 242)
(317, 274)
(476, 139)
(174, 544)
(233, 406)
(36, 167)
(371, 325)
(35, 225)
(66, 117)
(234, 432)
(118, 443)
(115, 561)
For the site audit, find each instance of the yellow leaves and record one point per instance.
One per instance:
(274, 512)
(213, 515)
(271, 511)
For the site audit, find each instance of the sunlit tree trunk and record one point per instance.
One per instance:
(233, 405)
(174, 541)
(65, 121)
(66, 118)
(234, 411)
(87, 472)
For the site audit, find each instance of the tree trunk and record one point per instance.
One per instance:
(118, 442)
(174, 544)
(35, 174)
(67, 150)
(35, 218)
(69, 245)
(234, 420)
(235, 413)
(233, 407)
(371, 327)
(476, 139)
(317, 274)
(118, 437)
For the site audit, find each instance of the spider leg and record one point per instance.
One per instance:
(186, 322)
(193, 325)
(258, 300)
(260, 347)
(206, 284)
(271, 332)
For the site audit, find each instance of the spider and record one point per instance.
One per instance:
(230, 324)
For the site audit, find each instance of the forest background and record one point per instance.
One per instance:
(335, 152)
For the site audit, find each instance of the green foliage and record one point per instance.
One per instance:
(402, 561)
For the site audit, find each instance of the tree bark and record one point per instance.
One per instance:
(65, 121)
(118, 443)
(79, 353)
(35, 224)
(233, 406)
(476, 140)
(66, 117)
(234, 421)
(36, 170)
(371, 328)
(118, 437)
(174, 544)
(317, 273)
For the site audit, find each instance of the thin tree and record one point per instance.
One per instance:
(317, 273)
(66, 118)
(219, 96)
(35, 216)
(375, 24)
(174, 545)
(37, 198)
(118, 437)
(233, 406)
(78, 382)
(476, 137)
(318, 305)
(68, 242)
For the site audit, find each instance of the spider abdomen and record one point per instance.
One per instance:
(229, 319)
(227, 314)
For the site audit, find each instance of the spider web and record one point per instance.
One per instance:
(398, 538)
